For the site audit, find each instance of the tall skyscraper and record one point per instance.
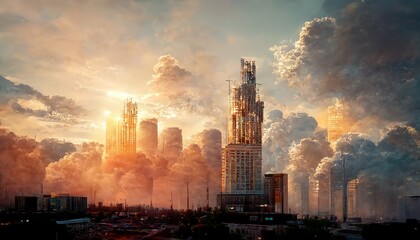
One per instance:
(113, 132)
(148, 136)
(335, 121)
(242, 156)
(129, 128)
(121, 131)
(276, 191)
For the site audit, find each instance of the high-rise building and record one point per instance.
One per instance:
(242, 156)
(276, 191)
(313, 196)
(323, 197)
(170, 144)
(335, 121)
(121, 131)
(113, 135)
(129, 126)
(352, 197)
(148, 136)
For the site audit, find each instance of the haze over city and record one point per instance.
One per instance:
(66, 66)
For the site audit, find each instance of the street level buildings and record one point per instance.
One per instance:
(276, 191)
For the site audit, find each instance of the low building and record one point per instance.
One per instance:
(242, 202)
(276, 192)
(67, 203)
(409, 207)
(26, 203)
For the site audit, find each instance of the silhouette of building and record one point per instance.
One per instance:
(67, 203)
(242, 156)
(26, 203)
(276, 191)
(148, 136)
(170, 142)
(352, 197)
(55, 203)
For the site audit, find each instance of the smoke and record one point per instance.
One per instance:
(55, 149)
(210, 140)
(385, 170)
(77, 173)
(199, 166)
(367, 55)
(148, 136)
(280, 134)
(22, 166)
(141, 180)
(170, 144)
(179, 88)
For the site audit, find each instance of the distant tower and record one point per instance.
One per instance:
(113, 135)
(242, 156)
(276, 191)
(121, 131)
(335, 121)
(148, 136)
(170, 143)
(352, 197)
(129, 124)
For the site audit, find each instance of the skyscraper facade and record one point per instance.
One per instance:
(352, 197)
(121, 131)
(242, 156)
(335, 121)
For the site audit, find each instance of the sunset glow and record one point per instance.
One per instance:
(130, 101)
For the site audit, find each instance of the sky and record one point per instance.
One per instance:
(97, 54)
(65, 64)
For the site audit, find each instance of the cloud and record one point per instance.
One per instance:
(22, 166)
(141, 179)
(280, 134)
(366, 55)
(385, 170)
(55, 149)
(178, 88)
(25, 100)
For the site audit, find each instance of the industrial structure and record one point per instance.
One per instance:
(121, 131)
(335, 121)
(276, 191)
(148, 136)
(242, 156)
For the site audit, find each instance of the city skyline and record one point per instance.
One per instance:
(339, 80)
